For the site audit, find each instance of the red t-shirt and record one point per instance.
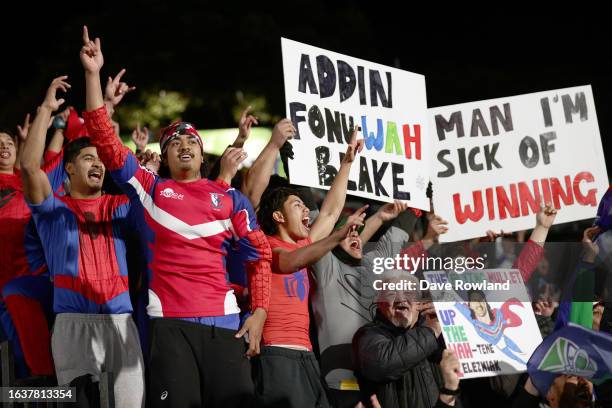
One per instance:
(288, 320)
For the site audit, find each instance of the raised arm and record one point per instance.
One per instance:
(55, 145)
(114, 91)
(140, 137)
(293, 261)
(258, 176)
(118, 159)
(244, 127)
(387, 212)
(57, 140)
(544, 220)
(334, 200)
(229, 163)
(92, 61)
(36, 184)
(22, 132)
(533, 251)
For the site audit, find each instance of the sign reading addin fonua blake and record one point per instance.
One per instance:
(327, 94)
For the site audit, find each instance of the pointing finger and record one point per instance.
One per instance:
(85, 35)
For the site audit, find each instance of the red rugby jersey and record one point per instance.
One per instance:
(288, 320)
(189, 228)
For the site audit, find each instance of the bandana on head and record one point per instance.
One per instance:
(174, 131)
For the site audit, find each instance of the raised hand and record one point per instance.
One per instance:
(437, 225)
(544, 220)
(353, 222)
(428, 310)
(546, 216)
(390, 211)
(491, 236)
(22, 131)
(283, 131)
(140, 138)
(544, 307)
(244, 126)
(91, 53)
(591, 248)
(51, 102)
(150, 160)
(230, 161)
(115, 89)
(354, 147)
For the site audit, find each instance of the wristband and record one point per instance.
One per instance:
(59, 123)
(446, 391)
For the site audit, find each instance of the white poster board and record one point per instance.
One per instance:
(494, 160)
(489, 337)
(327, 94)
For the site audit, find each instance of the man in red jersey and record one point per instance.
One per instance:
(28, 297)
(25, 305)
(189, 224)
(287, 372)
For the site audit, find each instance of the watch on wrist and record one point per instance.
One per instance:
(59, 122)
(446, 391)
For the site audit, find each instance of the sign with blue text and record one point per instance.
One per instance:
(327, 94)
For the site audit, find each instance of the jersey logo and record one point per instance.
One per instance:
(6, 196)
(215, 199)
(169, 193)
(296, 285)
(94, 228)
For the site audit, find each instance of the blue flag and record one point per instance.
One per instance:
(572, 350)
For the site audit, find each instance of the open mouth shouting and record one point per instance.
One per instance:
(5, 154)
(186, 157)
(355, 243)
(95, 175)
(306, 222)
(401, 306)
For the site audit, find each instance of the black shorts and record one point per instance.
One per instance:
(193, 365)
(343, 399)
(286, 378)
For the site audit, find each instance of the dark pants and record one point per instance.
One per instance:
(286, 378)
(343, 399)
(193, 365)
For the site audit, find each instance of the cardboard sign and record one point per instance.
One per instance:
(327, 94)
(494, 161)
(490, 337)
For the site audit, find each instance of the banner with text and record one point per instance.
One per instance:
(489, 337)
(495, 160)
(327, 94)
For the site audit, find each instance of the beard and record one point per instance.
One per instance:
(400, 320)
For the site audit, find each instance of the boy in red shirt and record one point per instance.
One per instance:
(287, 373)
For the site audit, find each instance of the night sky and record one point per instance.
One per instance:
(208, 51)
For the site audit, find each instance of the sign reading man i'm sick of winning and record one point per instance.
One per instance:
(327, 94)
(495, 161)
